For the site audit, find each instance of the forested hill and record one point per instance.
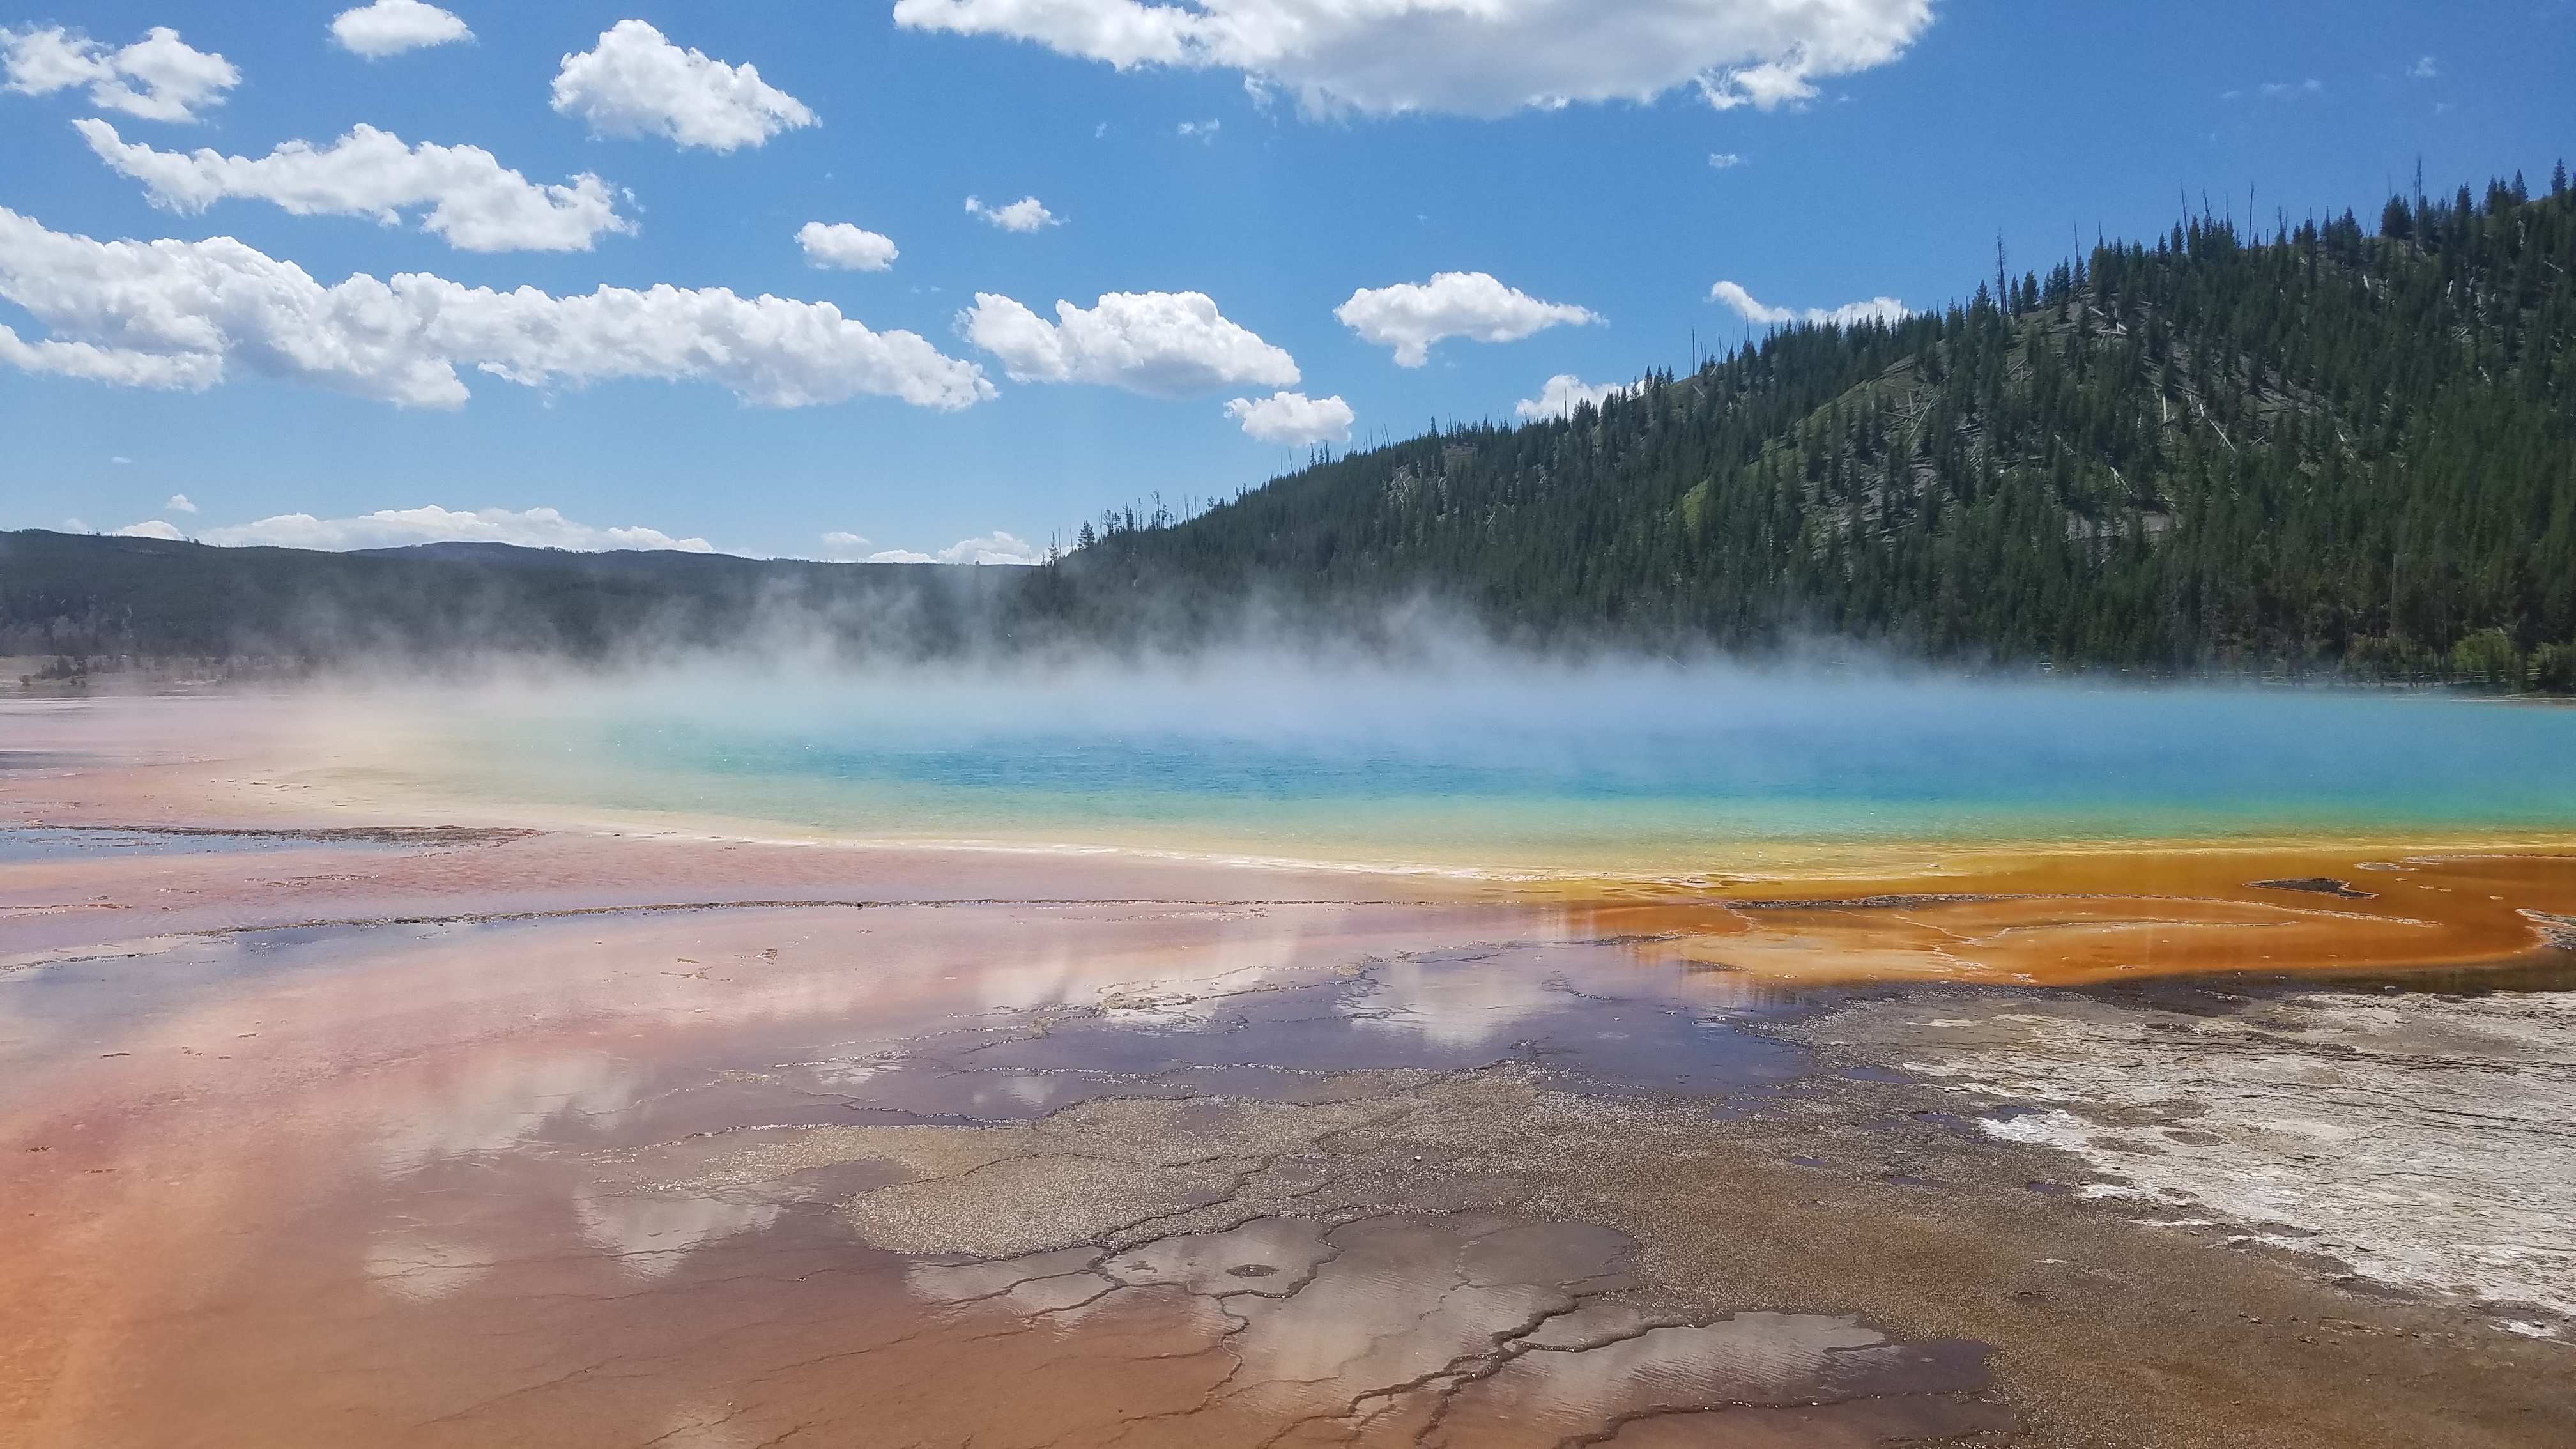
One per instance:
(2332, 448)
(91, 602)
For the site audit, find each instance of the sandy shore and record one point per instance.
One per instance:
(364, 1121)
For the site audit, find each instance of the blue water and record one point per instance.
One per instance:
(1564, 768)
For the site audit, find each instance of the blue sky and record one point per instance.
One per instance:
(1877, 148)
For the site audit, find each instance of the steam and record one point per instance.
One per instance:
(1431, 747)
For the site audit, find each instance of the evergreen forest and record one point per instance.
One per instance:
(2335, 448)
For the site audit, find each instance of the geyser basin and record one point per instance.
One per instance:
(403, 1110)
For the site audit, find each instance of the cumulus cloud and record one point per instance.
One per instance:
(635, 83)
(1160, 344)
(1473, 57)
(179, 314)
(1560, 395)
(1411, 316)
(179, 504)
(160, 77)
(153, 529)
(390, 27)
(401, 527)
(1293, 418)
(839, 244)
(474, 201)
(996, 547)
(1025, 214)
(1850, 314)
(1724, 160)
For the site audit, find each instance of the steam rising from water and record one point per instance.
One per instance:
(1478, 758)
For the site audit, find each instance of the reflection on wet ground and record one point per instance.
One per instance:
(1266, 1026)
(91, 1001)
(1250, 1188)
(44, 759)
(74, 842)
(1464, 1330)
(1192, 1173)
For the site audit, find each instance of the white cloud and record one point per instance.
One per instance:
(1560, 395)
(839, 546)
(2426, 69)
(1293, 418)
(400, 527)
(1161, 344)
(1411, 316)
(1477, 57)
(1850, 314)
(2279, 90)
(1204, 130)
(1025, 214)
(154, 529)
(178, 314)
(179, 504)
(996, 547)
(635, 83)
(842, 245)
(390, 27)
(474, 201)
(1724, 160)
(1734, 295)
(159, 77)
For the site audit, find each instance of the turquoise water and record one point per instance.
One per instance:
(1552, 769)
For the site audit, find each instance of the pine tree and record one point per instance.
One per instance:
(2317, 452)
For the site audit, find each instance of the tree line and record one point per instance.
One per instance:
(2327, 450)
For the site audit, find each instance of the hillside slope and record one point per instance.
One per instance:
(2325, 450)
(83, 597)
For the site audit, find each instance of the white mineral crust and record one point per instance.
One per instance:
(2425, 1141)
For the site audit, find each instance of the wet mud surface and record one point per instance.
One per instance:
(345, 1136)
(1290, 1194)
(1305, 1175)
